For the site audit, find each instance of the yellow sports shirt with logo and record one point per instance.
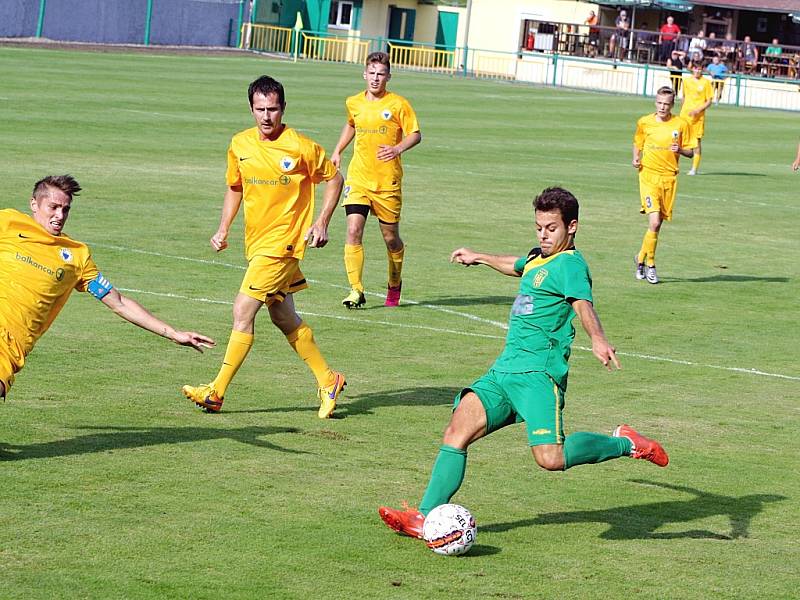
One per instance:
(277, 178)
(382, 122)
(655, 137)
(696, 92)
(38, 272)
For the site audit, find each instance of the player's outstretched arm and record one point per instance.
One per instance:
(347, 135)
(502, 263)
(317, 234)
(601, 348)
(135, 313)
(230, 206)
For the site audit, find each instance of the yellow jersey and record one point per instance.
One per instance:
(696, 92)
(654, 138)
(277, 178)
(38, 272)
(382, 122)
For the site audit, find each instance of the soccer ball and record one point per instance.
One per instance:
(449, 529)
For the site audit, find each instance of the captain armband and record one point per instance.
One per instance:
(99, 287)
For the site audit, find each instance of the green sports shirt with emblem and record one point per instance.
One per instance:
(540, 330)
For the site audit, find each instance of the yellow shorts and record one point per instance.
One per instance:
(11, 358)
(270, 279)
(696, 131)
(657, 193)
(384, 205)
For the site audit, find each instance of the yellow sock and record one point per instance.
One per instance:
(696, 161)
(302, 341)
(354, 264)
(649, 245)
(239, 345)
(395, 266)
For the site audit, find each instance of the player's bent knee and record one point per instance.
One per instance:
(549, 457)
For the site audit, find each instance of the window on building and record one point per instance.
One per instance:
(341, 14)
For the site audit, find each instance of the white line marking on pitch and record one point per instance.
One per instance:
(170, 116)
(422, 327)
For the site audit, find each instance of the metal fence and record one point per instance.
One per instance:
(543, 68)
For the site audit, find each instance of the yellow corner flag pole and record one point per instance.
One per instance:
(298, 25)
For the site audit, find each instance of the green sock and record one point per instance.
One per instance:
(448, 473)
(584, 448)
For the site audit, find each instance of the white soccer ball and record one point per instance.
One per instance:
(449, 529)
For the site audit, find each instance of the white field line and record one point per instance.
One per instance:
(152, 113)
(421, 327)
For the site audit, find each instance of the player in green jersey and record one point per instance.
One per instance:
(529, 379)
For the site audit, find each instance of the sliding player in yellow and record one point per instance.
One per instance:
(39, 268)
(698, 94)
(659, 139)
(384, 126)
(273, 169)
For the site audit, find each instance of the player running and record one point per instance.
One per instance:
(273, 168)
(528, 381)
(40, 266)
(698, 95)
(384, 126)
(659, 139)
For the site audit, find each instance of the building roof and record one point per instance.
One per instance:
(785, 6)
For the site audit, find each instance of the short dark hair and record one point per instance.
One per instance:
(266, 85)
(65, 183)
(557, 198)
(379, 57)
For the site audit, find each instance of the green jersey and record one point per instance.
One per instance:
(540, 330)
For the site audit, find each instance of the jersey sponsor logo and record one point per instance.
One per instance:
(283, 179)
(523, 305)
(541, 432)
(243, 158)
(65, 254)
(287, 163)
(380, 130)
(386, 114)
(36, 265)
(539, 278)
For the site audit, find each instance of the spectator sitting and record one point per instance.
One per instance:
(717, 70)
(669, 35)
(772, 56)
(675, 66)
(697, 47)
(748, 57)
(728, 49)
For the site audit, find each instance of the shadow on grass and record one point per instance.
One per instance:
(724, 278)
(733, 174)
(640, 521)
(507, 300)
(117, 438)
(364, 404)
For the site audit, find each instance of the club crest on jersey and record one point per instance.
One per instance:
(386, 114)
(65, 254)
(539, 278)
(288, 163)
(675, 134)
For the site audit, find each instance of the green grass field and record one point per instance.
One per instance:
(113, 486)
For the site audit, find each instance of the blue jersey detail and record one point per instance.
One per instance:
(99, 287)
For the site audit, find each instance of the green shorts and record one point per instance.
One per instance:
(510, 398)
